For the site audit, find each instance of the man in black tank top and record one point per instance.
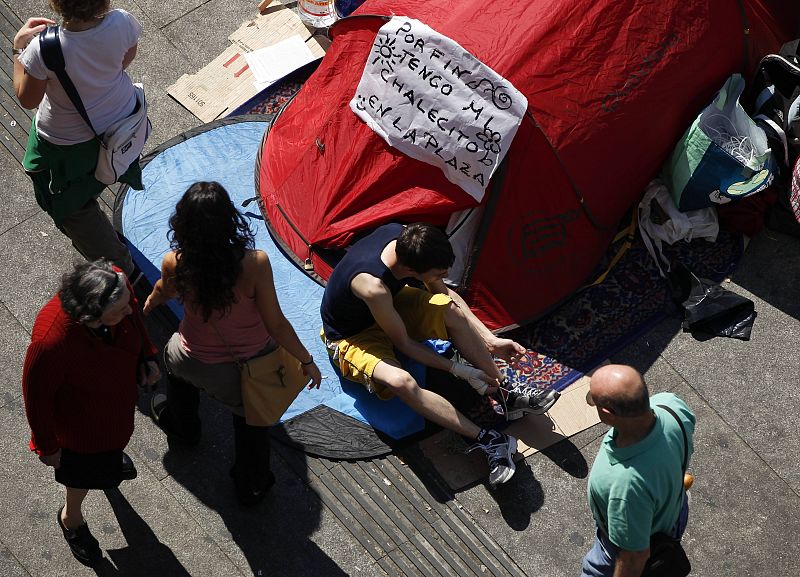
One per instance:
(369, 309)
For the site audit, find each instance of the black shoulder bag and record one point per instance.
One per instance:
(667, 557)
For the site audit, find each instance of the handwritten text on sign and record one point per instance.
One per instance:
(434, 101)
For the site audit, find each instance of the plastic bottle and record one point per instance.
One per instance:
(316, 13)
(345, 7)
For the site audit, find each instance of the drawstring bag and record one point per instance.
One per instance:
(661, 221)
(723, 156)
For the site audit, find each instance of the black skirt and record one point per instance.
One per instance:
(90, 470)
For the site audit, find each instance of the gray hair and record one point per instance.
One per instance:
(88, 289)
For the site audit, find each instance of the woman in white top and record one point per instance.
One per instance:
(61, 155)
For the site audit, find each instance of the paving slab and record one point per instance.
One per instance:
(753, 384)
(142, 527)
(32, 497)
(9, 566)
(14, 341)
(34, 255)
(744, 519)
(25, 9)
(158, 64)
(189, 34)
(163, 13)
(17, 201)
(771, 271)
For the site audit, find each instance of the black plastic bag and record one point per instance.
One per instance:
(709, 309)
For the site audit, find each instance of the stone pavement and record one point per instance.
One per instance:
(388, 516)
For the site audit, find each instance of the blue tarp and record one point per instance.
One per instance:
(227, 153)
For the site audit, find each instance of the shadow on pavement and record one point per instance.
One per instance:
(770, 270)
(275, 536)
(520, 498)
(145, 555)
(568, 457)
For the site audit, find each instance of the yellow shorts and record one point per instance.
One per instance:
(358, 355)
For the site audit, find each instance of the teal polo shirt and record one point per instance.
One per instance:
(637, 491)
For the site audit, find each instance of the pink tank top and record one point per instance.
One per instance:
(242, 329)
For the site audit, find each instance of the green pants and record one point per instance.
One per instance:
(65, 188)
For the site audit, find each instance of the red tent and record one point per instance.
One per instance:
(610, 85)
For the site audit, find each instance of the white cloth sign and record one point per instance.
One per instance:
(434, 101)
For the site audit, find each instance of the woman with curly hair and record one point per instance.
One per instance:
(231, 312)
(89, 350)
(98, 45)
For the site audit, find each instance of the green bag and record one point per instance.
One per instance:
(724, 155)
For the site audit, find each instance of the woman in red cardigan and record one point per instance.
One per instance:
(89, 350)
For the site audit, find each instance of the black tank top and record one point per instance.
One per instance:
(343, 313)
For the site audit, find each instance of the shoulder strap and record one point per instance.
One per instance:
(239, 362)
(53, 57)
(683, 430)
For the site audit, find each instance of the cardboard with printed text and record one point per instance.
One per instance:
(227, 82)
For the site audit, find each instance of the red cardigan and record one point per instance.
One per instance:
(80, 393)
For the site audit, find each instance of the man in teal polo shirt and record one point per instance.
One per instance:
(636, 483)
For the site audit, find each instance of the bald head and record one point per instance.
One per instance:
(620, 389)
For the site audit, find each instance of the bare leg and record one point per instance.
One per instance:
(433, 407)
(468, 342)
(71, 516)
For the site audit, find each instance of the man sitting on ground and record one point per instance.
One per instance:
(368, 310)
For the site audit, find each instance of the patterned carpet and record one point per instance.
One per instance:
(600, 321)
(596, 322)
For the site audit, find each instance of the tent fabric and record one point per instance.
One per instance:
(226, 151)
(611, 85)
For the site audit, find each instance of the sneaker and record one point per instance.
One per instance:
(499, 449)
(521, 399)
(82, 543)
(161, 417)
(128, 468)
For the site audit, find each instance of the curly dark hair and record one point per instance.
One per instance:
(80, 9)
(89, 288)
(210, 238)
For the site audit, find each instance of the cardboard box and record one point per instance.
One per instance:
(226, 82)
(445, 450)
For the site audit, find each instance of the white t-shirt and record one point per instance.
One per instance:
(93, 60)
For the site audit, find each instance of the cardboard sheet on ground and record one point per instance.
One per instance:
(226, 153)
(227, 81)
(569, 416)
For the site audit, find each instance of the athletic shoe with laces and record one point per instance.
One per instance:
(521, 399)
(499, 449)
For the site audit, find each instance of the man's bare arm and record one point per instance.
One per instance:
(630, 563)
(379, 300)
